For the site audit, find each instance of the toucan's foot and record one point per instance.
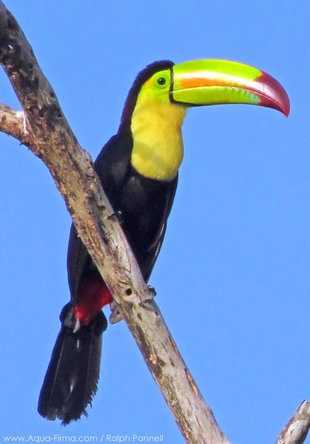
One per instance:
(116, 315)
(117, 216)
(151, 294)
(152, 291)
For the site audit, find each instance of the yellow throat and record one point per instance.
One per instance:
(157, 138)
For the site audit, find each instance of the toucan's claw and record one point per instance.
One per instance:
(116, 315)
(150, 296)
(117, 216)
(151, 291)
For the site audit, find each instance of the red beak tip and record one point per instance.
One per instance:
(273, 94)
(285, 106)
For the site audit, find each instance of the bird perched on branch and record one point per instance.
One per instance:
(138, 169)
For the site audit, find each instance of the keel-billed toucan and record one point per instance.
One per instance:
(138, 169)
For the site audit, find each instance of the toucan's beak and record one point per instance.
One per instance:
(212, 82)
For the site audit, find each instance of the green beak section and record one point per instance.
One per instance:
(212, 82)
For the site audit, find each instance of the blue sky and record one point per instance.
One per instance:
(233, 276)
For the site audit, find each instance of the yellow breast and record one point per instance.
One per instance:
(157, 140)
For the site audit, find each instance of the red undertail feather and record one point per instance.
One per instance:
(93, 295)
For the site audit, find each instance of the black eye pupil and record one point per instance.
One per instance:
(161, 81)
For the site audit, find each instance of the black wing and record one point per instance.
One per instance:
(111, 167)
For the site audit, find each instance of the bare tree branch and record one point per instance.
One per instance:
(295, 432)
(43, 127)
(13, 123)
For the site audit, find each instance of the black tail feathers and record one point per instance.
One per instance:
(73, 372)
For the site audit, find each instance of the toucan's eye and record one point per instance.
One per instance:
(161, 81)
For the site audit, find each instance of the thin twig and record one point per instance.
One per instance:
(295, 432)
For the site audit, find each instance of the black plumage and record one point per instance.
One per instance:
(144, 205)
